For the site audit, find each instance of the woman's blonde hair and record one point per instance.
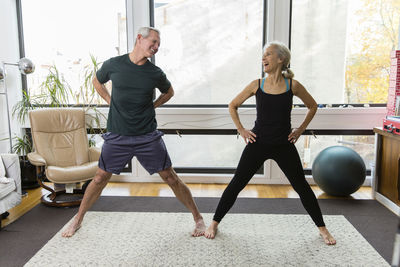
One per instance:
(284, 55)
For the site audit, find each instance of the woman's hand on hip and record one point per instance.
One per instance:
(247, 135)
(295, 134)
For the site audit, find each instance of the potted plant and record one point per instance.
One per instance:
(22, 146)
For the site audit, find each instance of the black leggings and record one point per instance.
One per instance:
(288, 160)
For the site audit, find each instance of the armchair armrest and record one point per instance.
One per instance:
(36, 159)
(13, 170)
(94, 153)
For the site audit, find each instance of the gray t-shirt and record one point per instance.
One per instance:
(131, 109)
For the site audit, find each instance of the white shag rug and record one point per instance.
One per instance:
(163, 239)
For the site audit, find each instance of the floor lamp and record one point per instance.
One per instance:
(25, 67)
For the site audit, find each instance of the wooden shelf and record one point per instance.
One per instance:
(387, 165)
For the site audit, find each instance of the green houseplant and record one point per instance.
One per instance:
(89, 98)
(22, 146)
(55, 89)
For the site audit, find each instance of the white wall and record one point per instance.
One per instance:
(9, 52)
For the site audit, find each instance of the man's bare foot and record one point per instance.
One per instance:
(71, 228)
(328, 238)
(211, 231)
(199, 228)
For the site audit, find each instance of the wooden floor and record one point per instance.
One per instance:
(198, 190)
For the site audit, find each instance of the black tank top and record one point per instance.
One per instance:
(272, 125)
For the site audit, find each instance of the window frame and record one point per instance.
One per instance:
(141, 13)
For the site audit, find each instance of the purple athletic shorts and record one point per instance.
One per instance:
(149, 149)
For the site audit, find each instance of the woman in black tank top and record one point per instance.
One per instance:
(272, 136)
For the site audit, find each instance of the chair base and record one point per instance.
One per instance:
(51, 200)
(60, 198)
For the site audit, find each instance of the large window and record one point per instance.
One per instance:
(341, 54)
(61, 36)
(341, 49)
(210, 50)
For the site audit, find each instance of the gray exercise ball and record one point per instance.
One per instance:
(339, 171)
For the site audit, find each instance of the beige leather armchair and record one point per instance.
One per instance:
(62, 153)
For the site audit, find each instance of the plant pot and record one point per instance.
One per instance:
(28, 174)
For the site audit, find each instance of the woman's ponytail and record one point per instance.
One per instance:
(287, 73)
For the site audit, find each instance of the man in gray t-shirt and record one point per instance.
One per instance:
(131, 125)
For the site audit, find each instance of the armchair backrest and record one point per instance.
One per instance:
(59, 136)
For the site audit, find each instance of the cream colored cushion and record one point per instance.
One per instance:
(71, 174)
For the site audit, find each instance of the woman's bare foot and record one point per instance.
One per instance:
(328, 238)
(71, 228)
(199, 228)
(211, 231)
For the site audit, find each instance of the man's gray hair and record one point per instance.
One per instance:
(145, 31)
